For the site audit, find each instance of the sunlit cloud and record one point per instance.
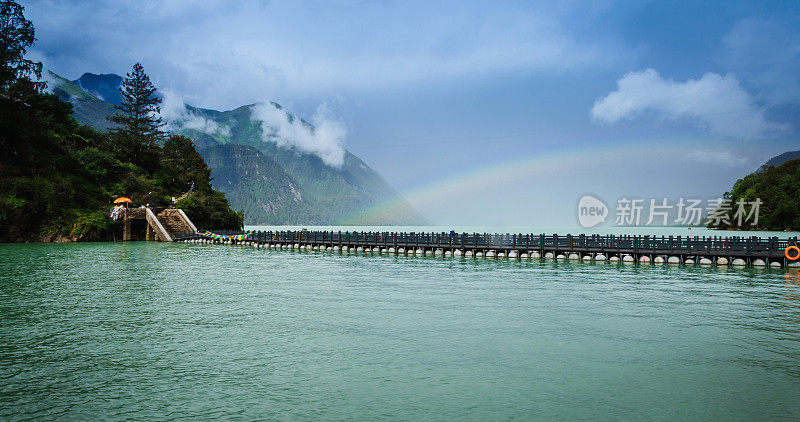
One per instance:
(714, 103)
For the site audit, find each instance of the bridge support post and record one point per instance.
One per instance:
(126, 229)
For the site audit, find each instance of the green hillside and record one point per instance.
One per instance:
(778, 188)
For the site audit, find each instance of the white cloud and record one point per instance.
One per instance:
(47, 77)
(720, 158)
(715, 103)
(324, 139)
(177, 116)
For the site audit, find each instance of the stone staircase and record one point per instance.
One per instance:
(155, 227)
(163, 226)
(175, 221)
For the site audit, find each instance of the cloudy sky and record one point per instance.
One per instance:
(496, 113)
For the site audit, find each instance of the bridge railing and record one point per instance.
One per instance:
(735, 245)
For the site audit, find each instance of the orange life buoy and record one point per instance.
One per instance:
(796, 254)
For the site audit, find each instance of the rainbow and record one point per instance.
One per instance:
(516, 169)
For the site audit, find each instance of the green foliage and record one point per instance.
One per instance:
(210, 209)
(9, 203)
(779, 190)
(96, 163)
(92, 225)
(184, 168)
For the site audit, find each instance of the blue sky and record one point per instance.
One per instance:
(654, 99)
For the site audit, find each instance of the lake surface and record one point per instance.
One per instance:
(185, 331)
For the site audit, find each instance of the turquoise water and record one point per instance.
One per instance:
(186, 331)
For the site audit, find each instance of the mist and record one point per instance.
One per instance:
(323, 137)
(177, 115)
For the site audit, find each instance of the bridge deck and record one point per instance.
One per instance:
(696, 246)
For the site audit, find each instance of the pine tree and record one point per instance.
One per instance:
(138, 133)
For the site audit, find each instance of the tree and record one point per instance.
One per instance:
(184, 166)
(16, 35)
(139, 131)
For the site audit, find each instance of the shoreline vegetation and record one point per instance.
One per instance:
(778, 190)
(59, 178)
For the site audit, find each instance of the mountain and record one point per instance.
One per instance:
(330, 195)
(104, 87)
(256, 184)
(780, 159)
(87, 108)
(271, 181)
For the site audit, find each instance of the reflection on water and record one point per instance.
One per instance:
(792, 277)
(791, 298)
(169, 331)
